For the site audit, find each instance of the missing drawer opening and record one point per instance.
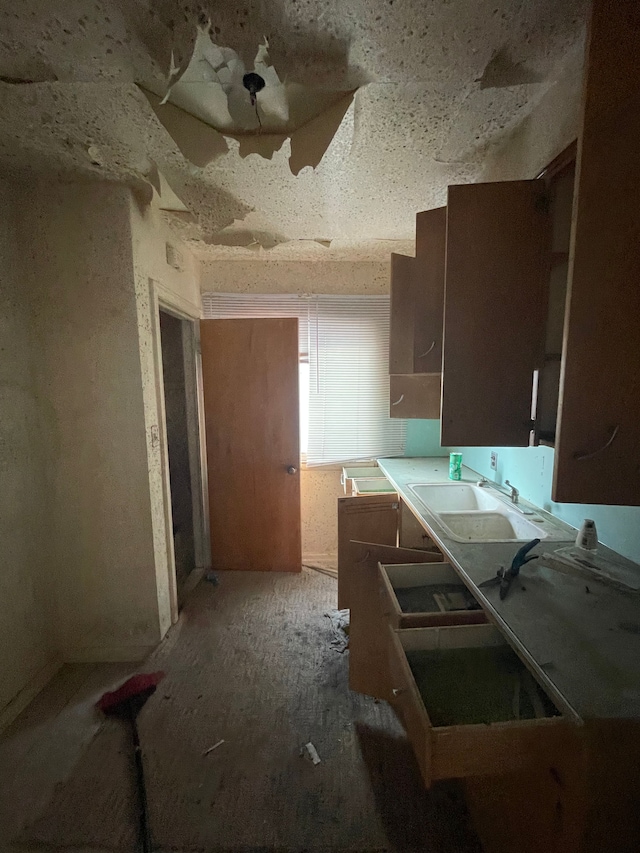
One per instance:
(468, 686)
(435, 599)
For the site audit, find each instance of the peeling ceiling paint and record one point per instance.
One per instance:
(437, 84)
(213, 101)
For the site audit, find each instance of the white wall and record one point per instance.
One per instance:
(153, 279)
(87, 258)
(319, 487)
(27, 654)
(269, 276)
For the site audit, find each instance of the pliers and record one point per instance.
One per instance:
(504, 577)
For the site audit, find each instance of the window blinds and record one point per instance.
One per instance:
(346, 340)
(245, 306)
(349, 381)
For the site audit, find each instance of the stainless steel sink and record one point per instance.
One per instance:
(477, 514)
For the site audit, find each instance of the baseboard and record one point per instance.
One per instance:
(319, 558)
(109, 654)
(193, 579)
(29, 692)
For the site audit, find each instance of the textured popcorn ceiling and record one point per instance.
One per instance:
(437, 84)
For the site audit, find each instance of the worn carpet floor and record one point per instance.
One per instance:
(251, 662)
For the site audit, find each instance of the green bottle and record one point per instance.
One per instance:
(455, 466)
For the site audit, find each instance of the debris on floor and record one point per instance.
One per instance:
(324, 568)
(340, 626)
(215, 746)
(212, 577)
(312, 752)
(267, 695)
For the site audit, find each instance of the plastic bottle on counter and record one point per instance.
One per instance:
(587, 537)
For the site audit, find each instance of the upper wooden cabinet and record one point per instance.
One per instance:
(544, 276)
(598, 440)
(496, 282)
(431, 231)
(415, 341)
(559, 179)
(401, 322)
(415, 395)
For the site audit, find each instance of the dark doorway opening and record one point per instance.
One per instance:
(172, 337)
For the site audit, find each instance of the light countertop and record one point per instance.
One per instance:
(584, 646)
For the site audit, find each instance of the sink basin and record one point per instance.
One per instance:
(490, 527)
(473, 514)
(451, 497)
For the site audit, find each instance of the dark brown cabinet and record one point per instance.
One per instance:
(541, 330)
(415, 344)
(598, 439)
(497, 270)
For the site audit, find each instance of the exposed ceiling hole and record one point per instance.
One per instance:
(255, 107)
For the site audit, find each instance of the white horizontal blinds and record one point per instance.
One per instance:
(349, 381)
(244, 306)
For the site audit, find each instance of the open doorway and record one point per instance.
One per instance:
(173, 334)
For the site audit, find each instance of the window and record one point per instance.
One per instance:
(303, 376)
(344, 381)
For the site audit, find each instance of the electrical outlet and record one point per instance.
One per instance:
(494, 460)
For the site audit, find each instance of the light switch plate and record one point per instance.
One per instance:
(494, 460)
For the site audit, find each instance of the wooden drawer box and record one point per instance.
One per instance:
(372, 486)
(351, 473)
(423, 595)
(469, 705)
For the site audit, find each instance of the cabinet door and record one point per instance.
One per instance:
(411, 534)
(415, 395)
(368, 518)
(402, 314)
(597, 445)
(431, 229)
(368, 630)
(497, 273)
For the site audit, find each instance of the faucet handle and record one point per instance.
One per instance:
(515, 494)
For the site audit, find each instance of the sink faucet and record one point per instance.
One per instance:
(515, 494)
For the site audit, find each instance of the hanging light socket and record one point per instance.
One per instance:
(253, 83)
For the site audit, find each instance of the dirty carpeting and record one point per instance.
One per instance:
(251, 662)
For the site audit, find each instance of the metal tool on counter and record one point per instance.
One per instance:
(505, 577)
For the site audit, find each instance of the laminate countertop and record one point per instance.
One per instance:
(580, 637)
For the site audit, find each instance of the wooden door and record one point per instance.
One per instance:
(415, 395)
(597, 446)
(368, 518)
(431, 230)
(411, 534)
(368, 628)
(497, 273)
(250, 381)
(415, 334)
(401, 314)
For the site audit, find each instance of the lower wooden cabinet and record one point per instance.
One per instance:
(535, 781)
(411, 534)
(366, 518)
(584, 799)
(423, 595)
(368, 646)
(470, 707)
